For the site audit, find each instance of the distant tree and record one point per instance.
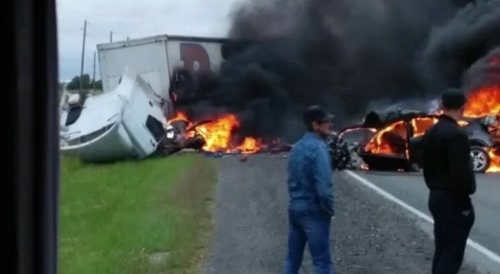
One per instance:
(98, 85)
(87, 83)
(74, 83)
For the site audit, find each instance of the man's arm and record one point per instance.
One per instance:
(323, 180)
(459, 164)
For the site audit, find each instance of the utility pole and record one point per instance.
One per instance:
(111, 36)
(93, 75)
(83, 53)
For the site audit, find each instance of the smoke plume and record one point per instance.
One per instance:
(485, 72)
(343, 55)
(464, 43)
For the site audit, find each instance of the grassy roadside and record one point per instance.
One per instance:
(114, 216)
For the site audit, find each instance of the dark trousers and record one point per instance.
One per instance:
(313, 228)
(453, 220)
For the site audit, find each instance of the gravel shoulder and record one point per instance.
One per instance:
(370, 234)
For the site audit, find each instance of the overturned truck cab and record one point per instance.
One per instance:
(126, 122)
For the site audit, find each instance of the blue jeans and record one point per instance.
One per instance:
(313, 228)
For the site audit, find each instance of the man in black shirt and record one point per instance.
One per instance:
(451, 180)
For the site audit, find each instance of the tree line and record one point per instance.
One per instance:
(87, 83)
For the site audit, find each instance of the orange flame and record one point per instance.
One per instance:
(495, 161)
(381, 143)
(421, 125)
(250, 145)
(218, 135)
(392, 139)
(180, 116)
(483, 102)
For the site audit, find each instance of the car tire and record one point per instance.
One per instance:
(480, 159)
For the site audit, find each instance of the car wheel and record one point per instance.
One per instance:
(480, 159)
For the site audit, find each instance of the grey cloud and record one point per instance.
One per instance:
(133, 19)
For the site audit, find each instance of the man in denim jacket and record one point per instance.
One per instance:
(311, 195)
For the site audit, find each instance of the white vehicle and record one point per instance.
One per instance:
(129, 118)
(127, 122)
(157, 59)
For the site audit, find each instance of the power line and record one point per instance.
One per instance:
(83, 54)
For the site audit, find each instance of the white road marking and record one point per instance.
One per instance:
(478, 247)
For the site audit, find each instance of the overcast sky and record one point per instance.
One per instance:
(133, 18)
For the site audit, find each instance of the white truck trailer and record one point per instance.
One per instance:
(156, 58)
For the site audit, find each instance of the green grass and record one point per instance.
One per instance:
(114, 216)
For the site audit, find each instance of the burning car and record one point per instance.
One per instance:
(359, 137)
(346, 146)
(483, 139)
(397, 145)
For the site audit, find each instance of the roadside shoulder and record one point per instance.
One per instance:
(373, 235)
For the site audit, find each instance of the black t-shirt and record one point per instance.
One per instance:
(446, 156)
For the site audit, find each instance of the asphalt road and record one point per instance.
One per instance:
(410, 188)
(370, 235)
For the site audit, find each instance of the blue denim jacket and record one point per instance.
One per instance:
(310, 175)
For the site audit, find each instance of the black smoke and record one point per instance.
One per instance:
(485, 72)
(342, 54)
(458, 52)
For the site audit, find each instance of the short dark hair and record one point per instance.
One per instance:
(453, 99)
(316, 114)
